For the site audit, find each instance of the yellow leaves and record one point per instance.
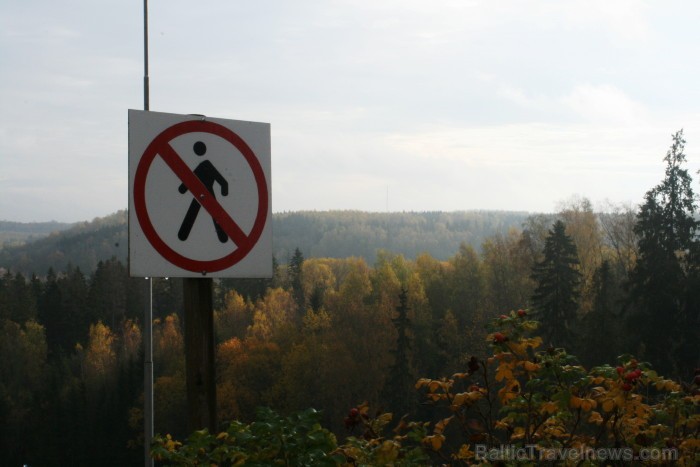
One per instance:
(435, 442)
(388, 452)
(533, 342)
(690, 444)
(575, 402)
(466, 398)
(440, 426)
(171, 444)
(422, 382)
(595, 418)
(509, 392)
(530, 367)
(581, 403)
(434, 384)
(464, 453)
(518, 433)
(552, 427)
(608, 405)
(667, 385)
(549, 407)
(519, 347)
(504, 371)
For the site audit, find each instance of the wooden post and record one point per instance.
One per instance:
(199, 354)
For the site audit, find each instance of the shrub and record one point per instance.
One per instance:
(522, 405)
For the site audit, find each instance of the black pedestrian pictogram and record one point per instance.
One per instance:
(208, 175)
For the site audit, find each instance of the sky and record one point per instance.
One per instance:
(381, 105)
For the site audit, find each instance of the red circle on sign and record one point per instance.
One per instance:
(161, 145)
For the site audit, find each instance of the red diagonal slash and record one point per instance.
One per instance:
(202, 195)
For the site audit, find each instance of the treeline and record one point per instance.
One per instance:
(330, 333)
(18, 233)
(341, 234)
(83, 245)
(333, 234)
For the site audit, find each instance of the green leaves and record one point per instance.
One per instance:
(296, 440)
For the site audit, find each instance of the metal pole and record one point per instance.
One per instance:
(146, 96)
(148, 319)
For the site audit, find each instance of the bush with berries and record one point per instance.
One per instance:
(524, 404)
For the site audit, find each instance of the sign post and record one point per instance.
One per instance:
(199, 354)
(199, 207)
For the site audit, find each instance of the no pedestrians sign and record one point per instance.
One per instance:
(199, 196)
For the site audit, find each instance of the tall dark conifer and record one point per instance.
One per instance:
(601, 324)
(555, 300)
(661, 282)
(295, 268)
(399, 389)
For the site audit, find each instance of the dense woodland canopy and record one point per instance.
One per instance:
(328, 234)
(330, 331)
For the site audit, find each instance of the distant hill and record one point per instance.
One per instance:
(18, 233)
(340, 234)
(82, 244)
(334, 234)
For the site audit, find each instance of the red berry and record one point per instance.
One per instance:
(627, 387)
(522, 313)
(354, 412)
(499, 337)
(504, 317)
(620, 370)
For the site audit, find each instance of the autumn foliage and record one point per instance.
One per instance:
(523, 403)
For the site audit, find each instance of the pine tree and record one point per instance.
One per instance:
(661, 280)
(295, 268)
(398, 389)
(601, 325)
(555, 300)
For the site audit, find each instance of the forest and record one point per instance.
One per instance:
(333, 332)
(331, 234)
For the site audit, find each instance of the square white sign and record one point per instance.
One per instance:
(199, 196)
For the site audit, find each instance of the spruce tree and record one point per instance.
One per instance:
(662, 279)
(601, 324)
(398, 388)
(295, 270)
(555, 301)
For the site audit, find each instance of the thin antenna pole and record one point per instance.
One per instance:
(146, 96)
(148, 308)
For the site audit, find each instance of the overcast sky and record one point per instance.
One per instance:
(384, 104)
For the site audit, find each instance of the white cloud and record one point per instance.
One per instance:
(605, 104)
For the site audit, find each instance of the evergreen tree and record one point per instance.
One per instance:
(107, 293)
(661, 280)
(295, 269)
(555, 300)
(601, 325)
(398, 388)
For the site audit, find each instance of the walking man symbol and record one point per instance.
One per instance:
(207, 174)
